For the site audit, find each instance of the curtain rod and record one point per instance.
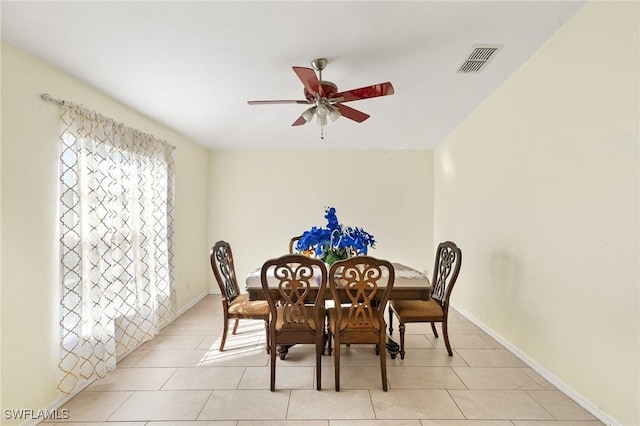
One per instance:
(49, 98)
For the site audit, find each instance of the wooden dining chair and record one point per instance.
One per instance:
(293, 250)
(297, 316)
(445, 273)
(235, 305)
(367, 283)
(292, 244)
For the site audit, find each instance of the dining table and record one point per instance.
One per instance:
(409, 284)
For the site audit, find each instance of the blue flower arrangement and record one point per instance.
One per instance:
(336, 241)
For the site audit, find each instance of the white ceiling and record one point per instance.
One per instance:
(193, 65)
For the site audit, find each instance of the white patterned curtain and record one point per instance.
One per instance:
(116, 215)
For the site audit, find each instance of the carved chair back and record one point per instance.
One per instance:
(445, 271)
(295, 305)
(367, 282)
(221, 258)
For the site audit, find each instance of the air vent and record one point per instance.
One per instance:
(478, 58)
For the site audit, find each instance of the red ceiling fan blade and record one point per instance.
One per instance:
(351, 114)
(280, 101)
(299, 122)
(373, 91)
(308, 77)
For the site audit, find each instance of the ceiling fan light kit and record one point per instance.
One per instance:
(308, 114)
(325, 99)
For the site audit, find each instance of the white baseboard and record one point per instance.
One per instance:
(191, 304)
(562, 386)
(54, 407)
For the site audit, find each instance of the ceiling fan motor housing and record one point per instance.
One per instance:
(328, 88)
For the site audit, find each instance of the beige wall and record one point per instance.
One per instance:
(540, 189)
(30, 284)
(260, 199)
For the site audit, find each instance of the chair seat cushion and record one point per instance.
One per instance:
(417, 310)
(332, 316)
(305, 324)
(242, 306)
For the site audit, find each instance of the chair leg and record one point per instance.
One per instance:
(446, 337)
(235, 326)
(383, 365)
(273, 352)
(336, 362)
(390, 320)
(402, 329)
(225, 327)
(319, 352)
(266, 327)
(433, 327)
(329, 339)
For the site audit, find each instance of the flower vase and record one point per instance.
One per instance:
(332, 256)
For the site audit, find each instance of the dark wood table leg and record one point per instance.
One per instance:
(283, 350)
(393, 348)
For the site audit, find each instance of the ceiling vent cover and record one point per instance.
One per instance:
(478, 58)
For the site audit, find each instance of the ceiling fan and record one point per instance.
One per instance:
(325, 99)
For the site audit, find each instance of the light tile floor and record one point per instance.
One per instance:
(181, 379)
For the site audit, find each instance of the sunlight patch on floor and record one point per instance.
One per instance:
(249, 341)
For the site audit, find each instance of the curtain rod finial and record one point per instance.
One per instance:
(49, 98)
